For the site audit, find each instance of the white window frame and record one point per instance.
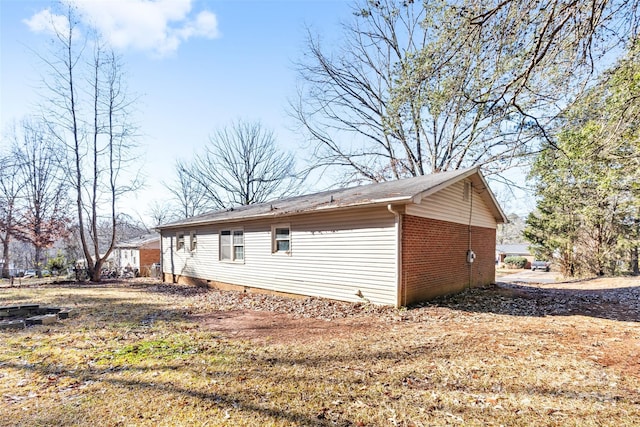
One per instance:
(232, 245)
(179, 241)
(274, 239)
(193, 241)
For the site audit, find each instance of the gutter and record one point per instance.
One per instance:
(275, 214)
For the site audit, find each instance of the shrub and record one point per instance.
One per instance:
(515, 261)
(57, 264)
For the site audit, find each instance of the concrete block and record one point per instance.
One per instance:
(12, 324)
(8, 311)
(45, 319)
(65, 313)
(19, 312)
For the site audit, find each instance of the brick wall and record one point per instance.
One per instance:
(434, 258)
(148, 257)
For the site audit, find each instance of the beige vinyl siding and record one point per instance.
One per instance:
(449, 205)
(186, 262)
(333, 255)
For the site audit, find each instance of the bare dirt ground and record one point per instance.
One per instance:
(279, 327)
(598, 318)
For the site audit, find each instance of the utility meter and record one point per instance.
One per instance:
(471, 256)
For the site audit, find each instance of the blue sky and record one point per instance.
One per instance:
(197, 65)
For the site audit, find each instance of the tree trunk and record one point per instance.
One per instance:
(95, 273)
(37, 260)
(5, 257)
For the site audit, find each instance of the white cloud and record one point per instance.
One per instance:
(47, 22)
(157, 26)
(205, 25)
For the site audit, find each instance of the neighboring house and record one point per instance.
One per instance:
(140, 253)
(392, 243)
(520, 249)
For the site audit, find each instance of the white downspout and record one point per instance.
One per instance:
(400, 291)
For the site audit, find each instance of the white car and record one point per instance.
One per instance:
(540, 265)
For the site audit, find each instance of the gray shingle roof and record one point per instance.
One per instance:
(139, 241)
(399, 192)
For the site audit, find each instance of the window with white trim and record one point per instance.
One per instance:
(281, 239)
(179, 241)
(193, 239)
(231, 245)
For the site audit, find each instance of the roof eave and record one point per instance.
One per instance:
(275, 214)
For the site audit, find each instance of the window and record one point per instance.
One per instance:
(194, 241)
(281, 239)
(231, 245)
(179, 241)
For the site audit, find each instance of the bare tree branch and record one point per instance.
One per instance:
(421, 87)
(241, 165)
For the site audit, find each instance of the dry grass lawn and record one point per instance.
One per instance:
(140, 353)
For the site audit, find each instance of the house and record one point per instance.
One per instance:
(138, 254)
(518, 249)
(392, 243)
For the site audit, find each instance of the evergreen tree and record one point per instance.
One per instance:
(588, 214)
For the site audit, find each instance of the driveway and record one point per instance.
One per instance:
(528, 276)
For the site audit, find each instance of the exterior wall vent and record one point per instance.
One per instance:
(466, 192)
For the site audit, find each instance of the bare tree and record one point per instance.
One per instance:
(189, 194)
(44, 217)
(161, 212)
(10, 188)
(89, 111)
(421, 87)
(242, 165)
(511, 232)
(127, 229)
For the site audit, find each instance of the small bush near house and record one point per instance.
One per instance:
(515, 261)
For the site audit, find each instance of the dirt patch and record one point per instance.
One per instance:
(599, 319)
(279, 327)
